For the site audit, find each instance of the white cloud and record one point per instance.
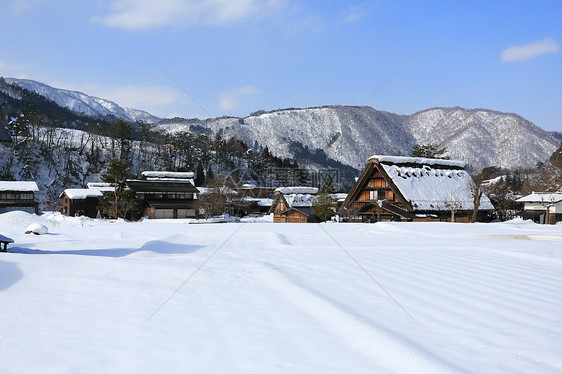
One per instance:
(355, 12)
(17, 7)
(157, 100)
(531, 50)
(146, 14)
(234, 99)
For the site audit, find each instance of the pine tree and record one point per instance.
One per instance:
(200, 175)
(117, 173)
(325, 205)
(429, 151)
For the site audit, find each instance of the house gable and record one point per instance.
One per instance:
(391, 187)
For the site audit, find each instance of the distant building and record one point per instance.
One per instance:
(542, 207)
(293, 204)
(18, 196)
(165, 194)
(413, 189)
(253, 199)
(4, 136)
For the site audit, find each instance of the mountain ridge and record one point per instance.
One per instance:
(83, 103)
(351, 134)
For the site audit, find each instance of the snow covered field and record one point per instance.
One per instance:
(167, 296)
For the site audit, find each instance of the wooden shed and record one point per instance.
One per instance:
(80, 202)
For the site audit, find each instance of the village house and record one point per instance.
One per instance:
(18, 196)
(293, 204)
(253, 199)
(542, 207)
(393, 188)
(84, 201)
(165, 194)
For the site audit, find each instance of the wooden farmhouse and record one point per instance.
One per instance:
(84, 201)
(542, 207)
(293, 204)
(164, 194)
(18, 196)
(393, 188)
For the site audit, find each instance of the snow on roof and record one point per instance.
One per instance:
(417, 160)
(167, 174)
(427, 188)
(18, 186)
(81, 193)
(6, 239)
(541, 197)
(176, 180)
(339, 196)
(262, 201)
(103, 187)
(98, 184)
(248, 186)
(222, 190)
(300, 200)
(297, 190)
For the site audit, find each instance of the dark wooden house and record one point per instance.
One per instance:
(18, 196)
(80, 202)
(293, 204)
(165, 194)
(392, 188)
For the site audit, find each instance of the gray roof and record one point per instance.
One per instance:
(4, 136)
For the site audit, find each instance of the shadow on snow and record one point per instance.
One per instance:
(156, 246)
(10, 274)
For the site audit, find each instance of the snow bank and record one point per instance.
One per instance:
(37, 229)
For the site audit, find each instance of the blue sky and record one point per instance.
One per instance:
(238, 56)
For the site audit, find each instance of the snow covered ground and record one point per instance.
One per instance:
(168, 296)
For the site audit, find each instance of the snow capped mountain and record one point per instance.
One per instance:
(350, 134)
(82, 103)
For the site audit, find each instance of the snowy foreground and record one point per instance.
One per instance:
(172, 297)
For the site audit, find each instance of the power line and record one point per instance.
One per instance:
(389, 78)
(366, 272)
(194, 273)
(179, 85)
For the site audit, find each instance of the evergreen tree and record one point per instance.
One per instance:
(117, 173)
(429, 151)
(200, 175)
(209, 176)
(325, 204)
